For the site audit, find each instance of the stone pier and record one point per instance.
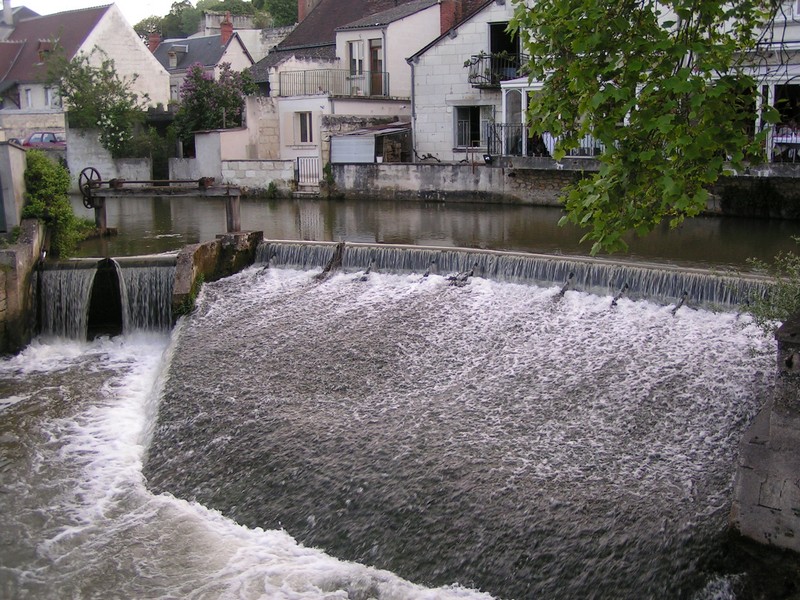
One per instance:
(766, 504)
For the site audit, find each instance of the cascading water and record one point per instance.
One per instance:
(64, 294)
(497, 436)
(659, 283)
(68, 298)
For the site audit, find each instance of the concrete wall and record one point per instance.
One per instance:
(17, 297)
(12, 184)
(84, 150)
(475, 182)
(766, 506)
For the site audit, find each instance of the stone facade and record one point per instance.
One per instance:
(441, 85)
(462, 182)
(254, 176)
(21, 123)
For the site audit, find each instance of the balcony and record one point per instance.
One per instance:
(334, 82)
(489, 70)
(513, 140)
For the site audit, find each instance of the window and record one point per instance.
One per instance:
(356, 52)
(305, 132)
(48, 96)
(471, 125)
(28, 98)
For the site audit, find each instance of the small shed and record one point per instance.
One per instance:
(385, 143)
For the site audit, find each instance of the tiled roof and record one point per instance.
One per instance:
(206, 50)
(315, 36)
(390, 16)
(70, 28)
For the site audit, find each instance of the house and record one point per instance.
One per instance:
(457, 82)
(258, 41)
(342, 69)
(211, 51)
(23, 76)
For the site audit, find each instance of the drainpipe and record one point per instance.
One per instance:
(410, 62)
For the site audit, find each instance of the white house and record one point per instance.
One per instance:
(456, 83)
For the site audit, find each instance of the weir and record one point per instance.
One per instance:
(84, 298)
(657, 282)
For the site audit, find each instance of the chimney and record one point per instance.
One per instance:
(226, 29)
(8, 14)
(153, 40)
(451, 13)
(304, 7)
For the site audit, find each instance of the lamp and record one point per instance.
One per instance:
(487, 159)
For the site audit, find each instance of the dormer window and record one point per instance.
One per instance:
(45, 47)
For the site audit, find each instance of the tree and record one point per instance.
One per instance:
(284, 12)
(206, 103)
(663, 86)
(182, 20)
(148, 25)
(96, 97)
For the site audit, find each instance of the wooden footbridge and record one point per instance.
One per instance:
(95, 191)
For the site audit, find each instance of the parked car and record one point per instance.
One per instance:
(46, 139)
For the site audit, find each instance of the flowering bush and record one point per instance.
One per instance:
(96, 97)
(207, 103)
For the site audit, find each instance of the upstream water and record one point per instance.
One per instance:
(390, 438)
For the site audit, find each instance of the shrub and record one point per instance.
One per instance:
(47, 199)
(782, 299)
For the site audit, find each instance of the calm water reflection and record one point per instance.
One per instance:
(152, 225)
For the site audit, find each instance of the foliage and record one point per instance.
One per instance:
(782, 299)
(148, 25)
(283, 12)
(182, 20)
(97, 97)
(207, 103)
(47, 198)
(662, 85)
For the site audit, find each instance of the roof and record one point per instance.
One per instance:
(207, 50)
(70, 28)
(390, 16)
(315, 36)
(473, 8)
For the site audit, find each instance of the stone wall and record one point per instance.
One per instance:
(463, 182)
(264, 126)
(766, 505)
(254, 176)
(228, 254)
(17, 297)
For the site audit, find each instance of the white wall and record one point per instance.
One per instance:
(291, 147)
(84, 150)
(400, 39)
(119, 41)
(440, 83)
(237, 57)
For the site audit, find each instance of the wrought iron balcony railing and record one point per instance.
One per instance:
(337, 82)
(488, 70)
(506, 139)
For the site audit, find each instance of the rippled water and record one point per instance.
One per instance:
(496, 436)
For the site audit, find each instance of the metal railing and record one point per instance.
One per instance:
(514, 140)
(488, 70)
(336, 82)
(308, 171)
